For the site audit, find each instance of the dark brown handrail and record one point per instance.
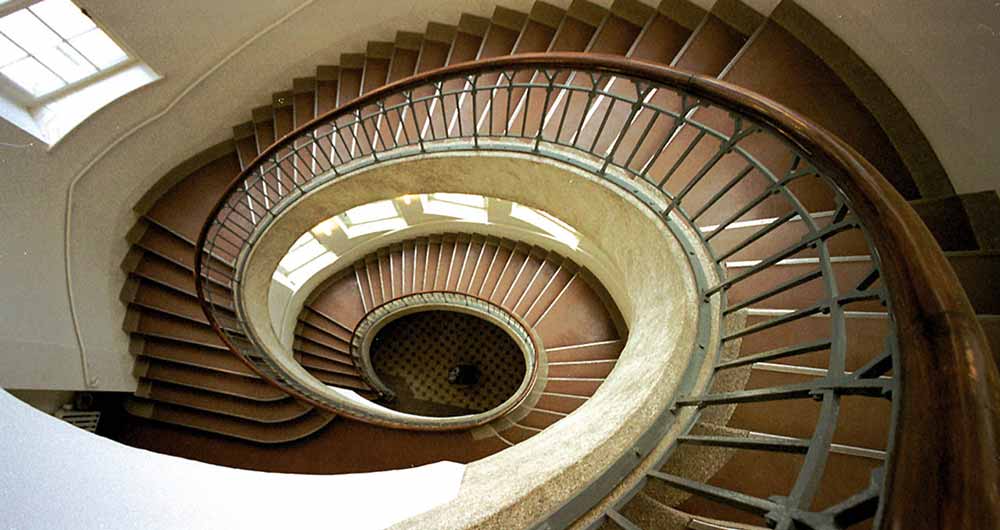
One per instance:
(944, 471)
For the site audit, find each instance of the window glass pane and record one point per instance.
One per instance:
(462, 198)
(32, 76)
(28, 32)
(99, 48)
(375, 211)
(64, 17)
(302, 274)
(9, 52)
(66, 62)
(302, 255)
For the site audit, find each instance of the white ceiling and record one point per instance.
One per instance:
(221, 58)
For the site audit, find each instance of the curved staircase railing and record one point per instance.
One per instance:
(709, 152)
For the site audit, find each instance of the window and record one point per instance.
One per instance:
(546, 222)
(58, 67)
(370, 218)
(52, 44)
(306, 257)
(457, 205)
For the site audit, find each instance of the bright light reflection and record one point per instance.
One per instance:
(386, 225)
(462, 198)
(375, 211)
(303, 273)
(434, 205)
(326, 227)
(554, 227)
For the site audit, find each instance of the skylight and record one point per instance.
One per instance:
(375, 211)
(381, 216)
(457, 205)
(547, 223)
(58, 67)
(306, 257)
(52, 44)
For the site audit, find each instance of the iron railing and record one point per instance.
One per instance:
(767, 192)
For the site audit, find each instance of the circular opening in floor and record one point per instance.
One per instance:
(445, 363)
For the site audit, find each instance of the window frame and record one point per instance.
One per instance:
(14, 92)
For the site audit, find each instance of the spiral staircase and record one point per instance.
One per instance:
(799, 419)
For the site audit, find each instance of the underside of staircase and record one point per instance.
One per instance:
(197, 400)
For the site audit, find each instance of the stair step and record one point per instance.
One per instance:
(764, 67)
(536, 285)
(553, 289)
(651, 514)
(577, 317)
(191, 354)
(156, 296)
(153, 268)
(460, 255)
(512, 283)
(263, 412)
(156, 324)
(979, 273)
(327, 83)
(661, 40)
(208, 380)
(376, 287)
(862, 422)
(515, 435)
(229, 426)
(852, 475)
(559, 403)
(991, 326)
(593, 351)
(539, 419)
(308, 360)
(168, 245)
(711, 47)
(574, 387)
(319, 350)
(848, 275)
(340, 299)
(692, 462)
(323, 322)
(338, 380)
(846, 243)
(505, 26)
(865, 339)
(185, 207)
(321, 337)
(588, 369)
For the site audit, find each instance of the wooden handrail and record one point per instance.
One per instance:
(943, 470)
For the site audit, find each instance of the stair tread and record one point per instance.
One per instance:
(235, 427)
(578, 316)
(211, 381)
(185, 207)
(319, 350)
(258, 411)
(711, 47)
(186, 353)
(764, 67)
(979, 273)
(340, 299)
(157, 324)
